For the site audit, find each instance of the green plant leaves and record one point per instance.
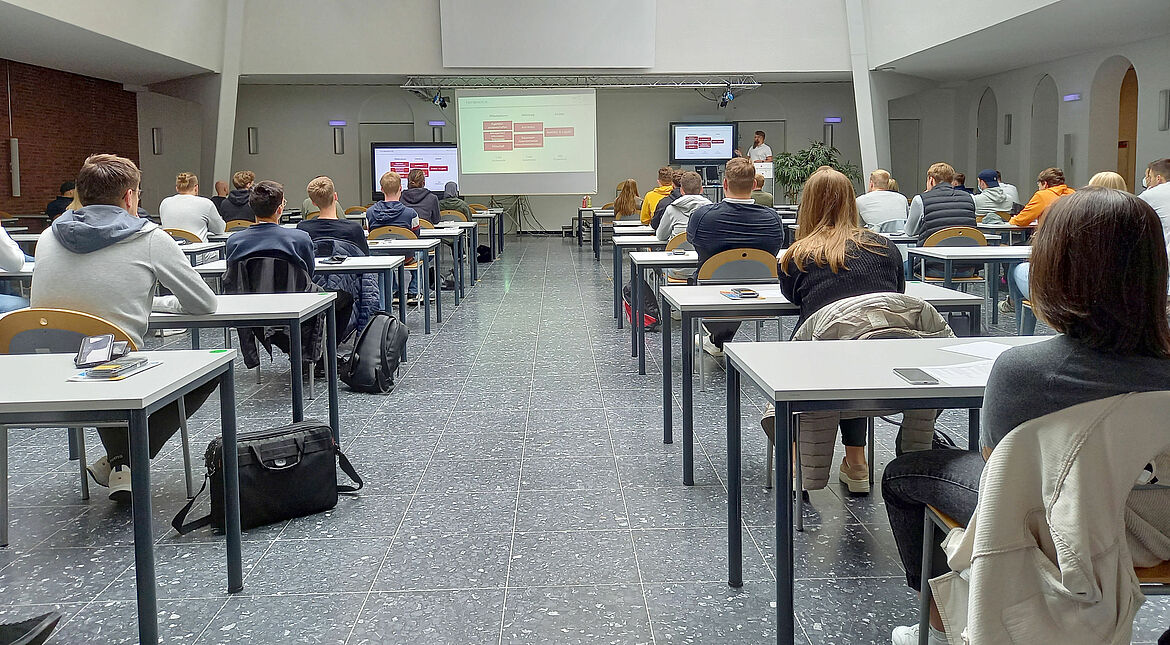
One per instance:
(792, 169)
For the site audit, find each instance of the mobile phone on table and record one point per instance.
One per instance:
(745, 293)
(915, 376)
(679, 252)
(336, 259)
(95, 350)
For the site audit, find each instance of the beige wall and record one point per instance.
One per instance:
(180, 123)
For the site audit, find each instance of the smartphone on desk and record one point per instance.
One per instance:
(95, 350)
(336, 259)
(679, 252)
(746, 294)
(915, 376)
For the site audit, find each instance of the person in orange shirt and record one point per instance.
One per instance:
(1049, 188)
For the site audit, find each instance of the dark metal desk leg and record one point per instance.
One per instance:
(635, 307)
(501, 230)
(4, 485)
(194, 338)
(298, 394)
(473, 255)
(595, 237)
(579, 236)
(617, 285)
(667, 394)
(425, 292)
(455, 277)
(331, 370)
(641, 349)
(734, 483)
(231, 481)
(785, 619)
(143, 529)
(993, 289)
(688, 424)
(948, 274)
(401, 292)
(977, 319)
(973, 429)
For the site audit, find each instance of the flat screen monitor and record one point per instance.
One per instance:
(702, 143)
(438, 161)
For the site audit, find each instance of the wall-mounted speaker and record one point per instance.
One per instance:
(1069, 142)
(1164, 110)
(156, 141)
(14, 157)
(338, 141)
(253, 141)
(827, 134)
(1007, 129)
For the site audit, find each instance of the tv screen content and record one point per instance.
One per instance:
(692, 143)
(438, 161)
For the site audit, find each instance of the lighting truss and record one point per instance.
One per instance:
(734, 82)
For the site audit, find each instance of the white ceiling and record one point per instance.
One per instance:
(30, 37)
(1056, 31)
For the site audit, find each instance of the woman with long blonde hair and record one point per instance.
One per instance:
(835, 258)
(627, 202)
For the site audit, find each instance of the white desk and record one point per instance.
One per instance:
(707, 302)
(620, 243)
(991, 256)
(25, 271)
(273, 309)
(412, 248)
(194, 249)
(1010, 230)
(454, 237)
(495, 230)
(640, 261)
(472, 229)
(13, 230)
(846, 375)
(33, 391)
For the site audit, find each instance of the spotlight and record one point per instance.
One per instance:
(726, 98)
(440, 101)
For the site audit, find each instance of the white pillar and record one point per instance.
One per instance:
(873, 130)
(229, 82)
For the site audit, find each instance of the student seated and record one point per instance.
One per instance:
(1049, 188)
(453, 202)
(759, 195)
(391, 212)
(991, 198)
(881, 203)
(188, 211)
(235, 205)
(221, 193)
(267, 237)
(650, 201)
(1157, 191)
(61, 202)
(676, 216)
(736, 222)
(675, 193)
(627, 203)
(11, 259)
(329, 225)
(103, 260)
(417, 196)
(834, 258)
(333, 236)
(940, 206)
(1113, 339)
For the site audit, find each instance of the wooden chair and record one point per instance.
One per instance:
(181, 234)
(237, 225)
(452, 216)
(313, 215)
(396, 233)
(736, 266)
(475, 208)
(355, 209)
(955, 236)
(678, 242)
(607, 206)
(60, 331)
(425, 223)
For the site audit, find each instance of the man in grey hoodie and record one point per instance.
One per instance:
(991, 198)
(104, 260)
(678, 213)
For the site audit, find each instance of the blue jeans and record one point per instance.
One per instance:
(11, 303)
(1018, 291)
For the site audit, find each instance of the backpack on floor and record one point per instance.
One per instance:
(376, 355)
(649, 307)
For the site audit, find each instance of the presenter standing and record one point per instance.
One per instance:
(759, 151)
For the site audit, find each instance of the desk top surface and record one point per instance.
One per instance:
(689, 297)
(637, 240)
(386, 244)
(979, 253)
(36, 382)
(253, 306)
(351, 265)
(665, 258)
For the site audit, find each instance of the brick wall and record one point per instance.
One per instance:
(60, 119)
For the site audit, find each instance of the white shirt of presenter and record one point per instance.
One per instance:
(759, 151)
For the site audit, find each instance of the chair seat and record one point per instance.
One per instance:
(934, 279)
(673, 280)
(1159, 574)
(946, 520)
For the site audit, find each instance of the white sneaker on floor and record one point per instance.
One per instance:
(908, 635)
(710, 347)
(1006, 307)
(120, 484)
(163, 333)
(100, 471)
(855, 477)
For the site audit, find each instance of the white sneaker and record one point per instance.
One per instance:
(120, 484)
(100, 471)
(908, 635)
(163, 333)
(710, 347)
(856, 477)
(1006, 307)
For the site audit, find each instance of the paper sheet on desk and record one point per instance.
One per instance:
(980, 349)
(963, 374)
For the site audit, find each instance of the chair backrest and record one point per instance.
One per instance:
(679, 242)
(891, 225)
(956, 236)
(452, 216)
(52, 331)
(739, 266)
(425, 223)
(391, 233)
(266, 274)
(181, 234)
(313, 215)
(607, 206)
(355, 209)
(475, 208)
(237, 224)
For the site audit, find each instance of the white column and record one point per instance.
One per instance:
(873, 130)
(229, 82)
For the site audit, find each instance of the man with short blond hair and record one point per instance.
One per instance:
(328, 223)
(650, 201)
(881, 204)
(736, 222)
(391, 212)
(940, 206)
(759, 195)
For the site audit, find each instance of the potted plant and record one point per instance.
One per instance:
(794, 168)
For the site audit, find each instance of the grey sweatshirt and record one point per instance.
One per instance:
(11, 257)
(191, 213)
(676, 216)
(104, 261)
(992, 200)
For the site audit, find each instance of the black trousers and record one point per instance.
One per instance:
(163, 425)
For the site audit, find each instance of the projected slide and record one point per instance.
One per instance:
(691, 142)
(527, 134)
(438, 161)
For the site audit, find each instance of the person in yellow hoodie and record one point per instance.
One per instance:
(665, 185)
(1050, 187)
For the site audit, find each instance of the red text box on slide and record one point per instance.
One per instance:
(497, 125)
(535, 126)
(438, 168)
(558, 132)
(495, 146)
(497, 135)
(528, 140)
(420, 164)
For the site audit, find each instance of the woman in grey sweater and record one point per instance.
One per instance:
(1113, 339)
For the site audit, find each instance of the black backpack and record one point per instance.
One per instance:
(379, 349)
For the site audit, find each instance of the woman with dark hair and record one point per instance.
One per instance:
(1113, 339)
(835, 258)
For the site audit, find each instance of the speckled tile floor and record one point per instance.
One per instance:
(518, 491)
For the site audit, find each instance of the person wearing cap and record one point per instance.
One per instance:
(991, 198)
(1009, 190)
(61, 202)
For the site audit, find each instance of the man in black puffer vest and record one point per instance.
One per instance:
(941, 206)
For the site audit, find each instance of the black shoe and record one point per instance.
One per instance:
(448, 285)
(33, 631)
